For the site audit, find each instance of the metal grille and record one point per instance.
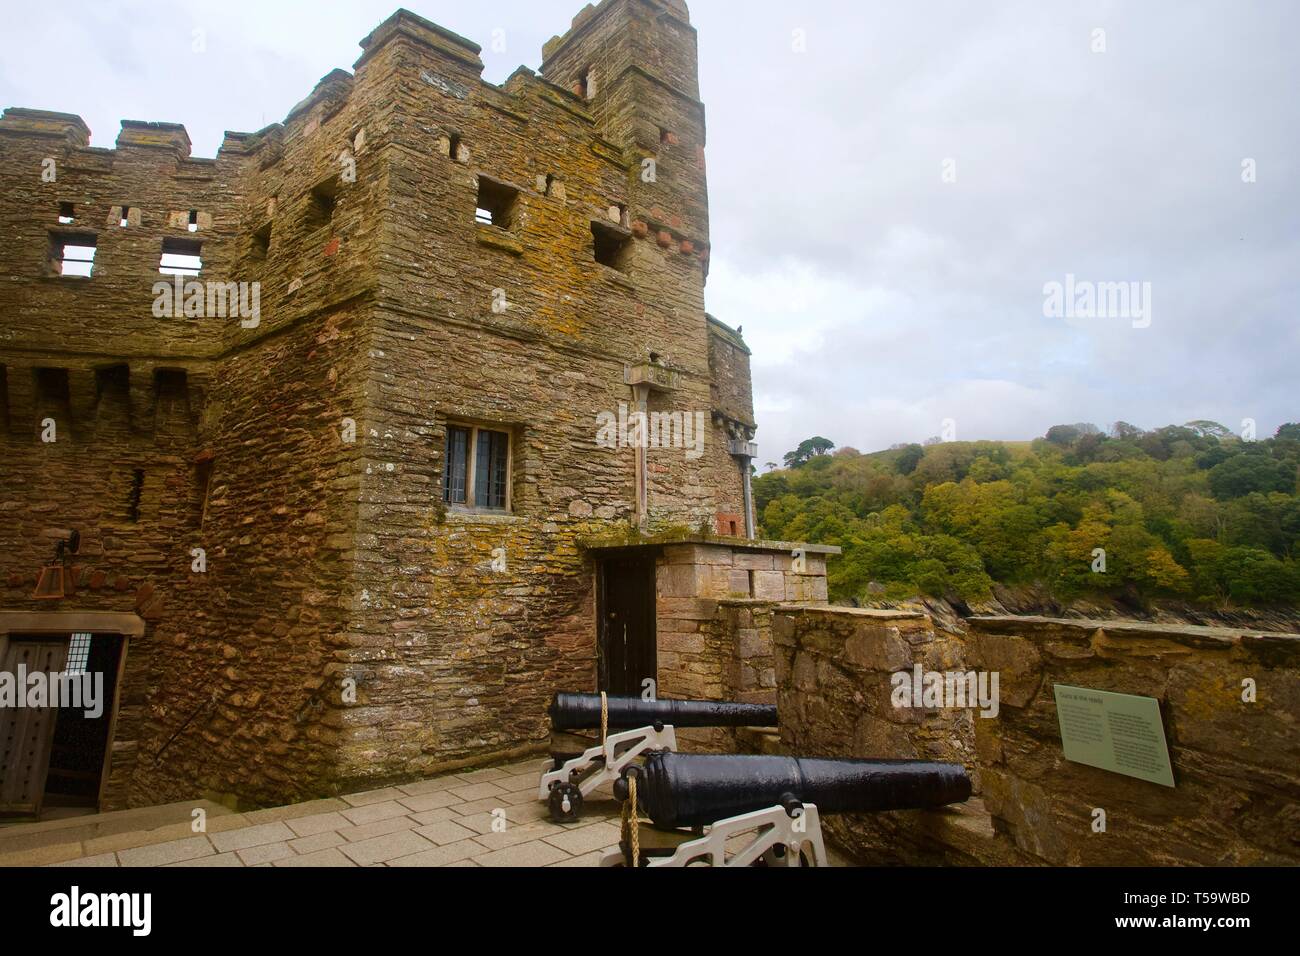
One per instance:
(78, 654)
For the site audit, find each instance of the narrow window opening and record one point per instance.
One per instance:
(455, 475)
(550, 182)
(126, 217)
(203, 479)
(496, 204)
(113, 379)
(453, 147)
(52, 385)
(72, 255)
(193, 224)
(613, 248)
(53, 396)
(587, 84)
(262, 241)
(324, 198)
(181, 257)
(666, 137)
(67, 212)
(172, 398)
(137, 492)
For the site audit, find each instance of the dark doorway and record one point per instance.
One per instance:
(80, 742)
(625, 609)
(55, 756)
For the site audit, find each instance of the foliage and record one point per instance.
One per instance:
(808, 449)
(1186, 511)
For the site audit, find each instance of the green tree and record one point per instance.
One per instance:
(1243, 474)
(808, 449)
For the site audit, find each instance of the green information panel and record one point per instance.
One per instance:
(1116, 732)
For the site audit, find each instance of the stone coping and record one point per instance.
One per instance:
(1121, 626)
(735, 544)
(872, 613)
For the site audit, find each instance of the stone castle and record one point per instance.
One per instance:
(326, 412)
(399, 416)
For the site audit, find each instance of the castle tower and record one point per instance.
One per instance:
(635, 64)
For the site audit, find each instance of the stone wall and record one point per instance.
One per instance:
(333, 563)
(1235, 763)
(715, 599)
(833, 669)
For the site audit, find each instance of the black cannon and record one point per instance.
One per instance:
(779, 799)
(630, 728)
(582, 712)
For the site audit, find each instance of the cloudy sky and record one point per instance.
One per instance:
(893, 185)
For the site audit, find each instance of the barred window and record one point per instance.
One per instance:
(476, 472)
(78, 654)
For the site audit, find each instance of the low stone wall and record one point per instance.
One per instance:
(1236, 765)
(834, 668)
(751, 670)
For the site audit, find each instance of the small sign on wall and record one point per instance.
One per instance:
(1116, 732)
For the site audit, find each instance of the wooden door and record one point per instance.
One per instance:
(27, 733)
(626, 615)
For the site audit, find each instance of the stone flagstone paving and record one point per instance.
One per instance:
(446, 821)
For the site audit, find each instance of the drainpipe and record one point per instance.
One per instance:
(641, 394)
(749, 498)
(745, 451)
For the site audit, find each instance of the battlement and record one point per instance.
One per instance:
(44, 123)
(146, 135)
(404, 23)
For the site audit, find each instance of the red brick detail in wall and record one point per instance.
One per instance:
(730, 525)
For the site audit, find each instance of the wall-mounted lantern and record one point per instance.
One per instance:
(56, 581)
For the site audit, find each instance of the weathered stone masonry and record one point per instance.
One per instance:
(384, 303)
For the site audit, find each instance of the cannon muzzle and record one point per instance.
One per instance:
(689, 790)
(582, 712)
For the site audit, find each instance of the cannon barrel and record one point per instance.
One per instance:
(688, 790)
(582, 712)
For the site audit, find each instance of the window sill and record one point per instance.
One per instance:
(617, 276)
(499, 239)
(460, 515)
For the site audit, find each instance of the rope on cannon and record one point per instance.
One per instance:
(631, 822)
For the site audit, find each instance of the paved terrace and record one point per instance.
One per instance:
(446, 821)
